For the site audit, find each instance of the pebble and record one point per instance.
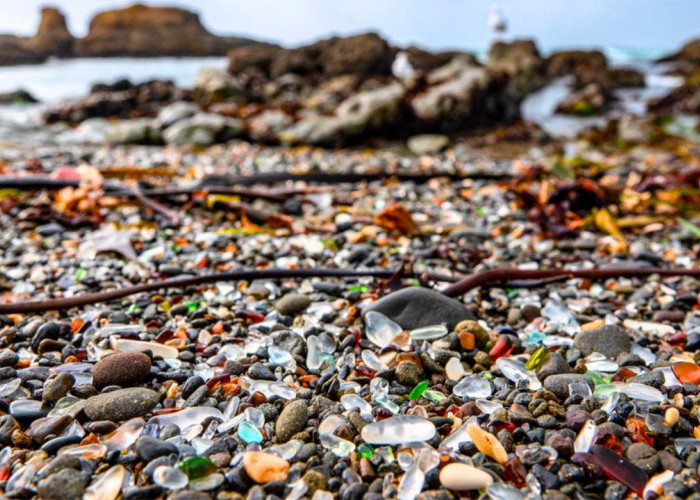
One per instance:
(67, 484)
(58, 387)
(148, 448)
(559, 384)
(265, 467)
(293, 419)
(416, 307)
(121, 404)
(610, 341)
(292, 303)
(408, 373)
(122, 368)
(460, 477)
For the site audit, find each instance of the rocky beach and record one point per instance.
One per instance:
(308, 275)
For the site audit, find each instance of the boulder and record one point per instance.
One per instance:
(360, 113)
(690, 52)
(217, 84)
(575, 62)
(365, 55)
(370, 109)
(590, 100)
(144, 31)
(326, 97)
(522, 62)
(425, 61)
(454, 96)
(265, 127)
(138, 131)
(311, 129)
(52, 37)
(202, 129)
(255, 59)
(625, 78)
(144, 99)
(19, 96)
(175, 112)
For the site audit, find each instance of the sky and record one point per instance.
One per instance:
(433, 24)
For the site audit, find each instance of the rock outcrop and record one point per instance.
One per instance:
(144, 31)
(365, 55)
(136, 31)
(52, 37)
(521, 60)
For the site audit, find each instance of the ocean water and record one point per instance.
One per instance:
(71, 78)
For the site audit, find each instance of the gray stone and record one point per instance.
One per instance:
(138, 131)
(292, 303)
(121, 404)
(554, 365)
(559, 384)
(175, 112)
(148, 448)
(610, 341)
(218, 83)
(293, 419)
(67, 484)
(653, 378)
(415, 307)
(202, 129)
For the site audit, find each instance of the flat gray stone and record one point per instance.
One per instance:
(610, 341)
(415, 307)
(121, 404)
(559, 384)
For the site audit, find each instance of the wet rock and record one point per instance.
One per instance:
(590, 100)
(123, 368)
(121, 404)
(415, 307)
(67, 484)
(554, 365)
(293, 419)
(217, 84)
(57, 388)
(148, 448)
(19, 96)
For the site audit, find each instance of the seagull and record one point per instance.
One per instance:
(402, 68)
(497, 22)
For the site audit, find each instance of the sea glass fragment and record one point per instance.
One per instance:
(454, 369)
(187, 417)
(197, 467)
(107, 486)
(399, 429)
(418, 390)
(353, 401)
(537, 358)
(620, 469)
(379, 329)
(248, 433)
(586, 437)
(686, 372)
(474, 387)
(429, 332)
(170, 478)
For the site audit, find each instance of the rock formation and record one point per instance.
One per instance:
(136, 31)
(52, 37)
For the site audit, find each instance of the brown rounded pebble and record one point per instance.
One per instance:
(123, 368)
(265, 467)
(473, 326)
